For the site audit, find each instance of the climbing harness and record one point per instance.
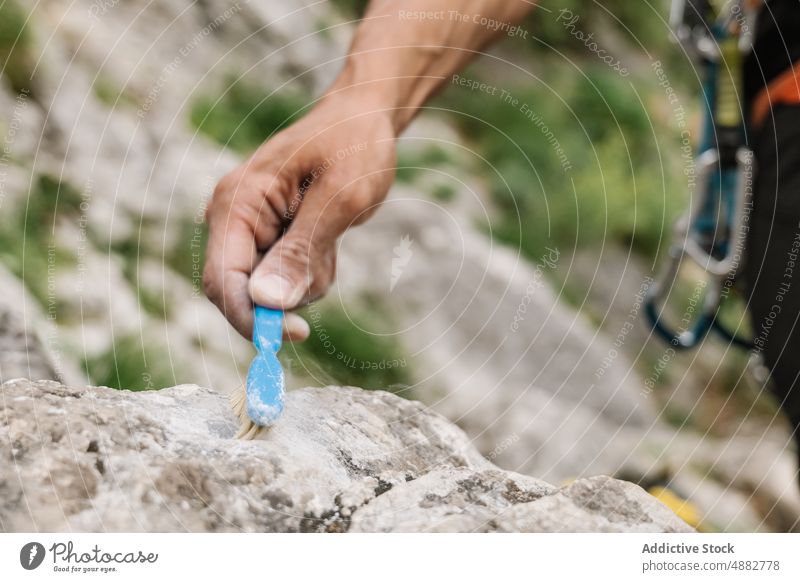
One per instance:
(709, 237)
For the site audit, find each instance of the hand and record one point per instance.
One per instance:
(275, 220)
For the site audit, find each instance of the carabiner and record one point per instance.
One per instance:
(689, 232)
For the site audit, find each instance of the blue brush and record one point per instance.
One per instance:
(263, 396)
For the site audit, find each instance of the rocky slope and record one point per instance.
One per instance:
(342, 459)
(537, 389)
(22, 351)
(489, 340)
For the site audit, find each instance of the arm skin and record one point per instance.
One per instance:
(271, 245)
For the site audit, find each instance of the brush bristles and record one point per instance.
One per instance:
(248, 429)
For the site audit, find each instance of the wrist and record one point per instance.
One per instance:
(369, 85)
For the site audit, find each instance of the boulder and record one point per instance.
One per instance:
(341, 459)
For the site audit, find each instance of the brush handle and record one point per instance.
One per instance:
(265, 380)
(267, 329)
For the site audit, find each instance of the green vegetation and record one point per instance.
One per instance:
(411, 163)
(443, 192)
(244, 116)
(27, 246)
(131, 364)
(678, 417)
(106, 90)
(188, 256)
(339, 351)
(639, 24)
(152, 302)
(573, 164)
(351, 8)
(131, 251)
(50, 200)
(16, 60)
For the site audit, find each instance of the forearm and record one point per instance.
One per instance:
(404, 50)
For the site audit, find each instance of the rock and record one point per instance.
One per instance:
(494, 347)
(487, 501)
(22, 351)
(528, 396)
(342, 459)
(552, 397)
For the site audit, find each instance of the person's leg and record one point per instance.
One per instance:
(773, 257)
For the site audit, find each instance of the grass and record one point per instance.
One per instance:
(111, 95)
(185, 258)
(27, 245)
(443, 193)
(634, 22)
(599, 141)
(243, 116)
(29, 250)
(49, 200)
(151, 301)
(339, 351)
(131, 365)
(16, 60)
(131, 251)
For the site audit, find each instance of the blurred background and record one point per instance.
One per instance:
(501, 283)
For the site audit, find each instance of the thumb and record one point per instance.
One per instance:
(284, 277)
(301, 265)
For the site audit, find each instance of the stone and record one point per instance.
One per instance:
(493, 346)
(342, 459)
(22, 351)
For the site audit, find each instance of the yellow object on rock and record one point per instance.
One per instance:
(684, 509)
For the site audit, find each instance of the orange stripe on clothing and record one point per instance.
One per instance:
(785, 88)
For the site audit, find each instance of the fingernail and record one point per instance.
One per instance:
(277, 291)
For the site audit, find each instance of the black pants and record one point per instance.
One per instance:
(772, 271)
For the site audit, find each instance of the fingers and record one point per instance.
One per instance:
(247, 218)
(295, 271)
(244, 215)
(301, 265)
(227, 276)
(295, 328)
(231, 255)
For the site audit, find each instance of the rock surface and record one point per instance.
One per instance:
(550, 396)
(22, 352)
(342, 459)
(498, 352)
(490, 342)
